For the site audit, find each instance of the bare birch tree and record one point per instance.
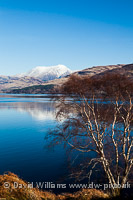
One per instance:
(97, 117)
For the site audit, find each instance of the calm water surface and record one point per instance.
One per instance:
(24, 123)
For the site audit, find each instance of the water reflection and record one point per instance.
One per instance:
(38, 110)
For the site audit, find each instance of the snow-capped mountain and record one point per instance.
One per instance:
(47, 73)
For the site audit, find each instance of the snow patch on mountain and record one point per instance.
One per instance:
(48, 73)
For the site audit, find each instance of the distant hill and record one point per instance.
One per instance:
(126, 70)
(98, 70)
(36, 89)
(8, 83)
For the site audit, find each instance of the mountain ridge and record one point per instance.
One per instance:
(36, 76)
(95, 72)
(9, 82)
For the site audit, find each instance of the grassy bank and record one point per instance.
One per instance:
(9, 192)
(26, 193)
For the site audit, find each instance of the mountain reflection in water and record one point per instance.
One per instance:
(38, 110)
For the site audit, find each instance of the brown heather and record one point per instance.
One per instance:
(36, 194)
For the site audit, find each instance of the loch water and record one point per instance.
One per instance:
(24, 122)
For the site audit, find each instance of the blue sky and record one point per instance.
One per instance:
(76, 33)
